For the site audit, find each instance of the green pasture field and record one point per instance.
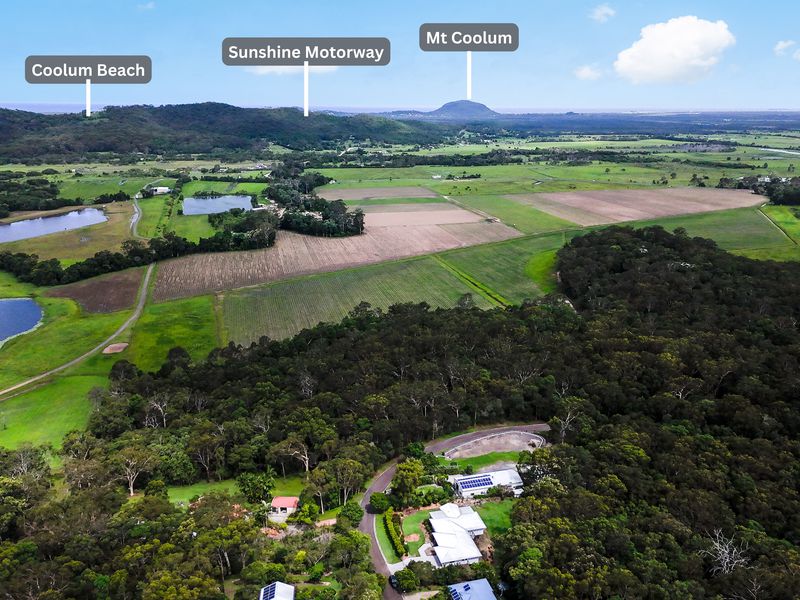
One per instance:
(742, 231)
(189, 323)
(45, 414)
(154, 216)
(78, 244)
(66, 333)
(191, 227)
(506, 267)
(90, 186)
(284, 308)
(515, 214)
(784, 217)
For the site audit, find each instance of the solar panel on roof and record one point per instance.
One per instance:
(268, 593)
(455, 595)
(475, 482)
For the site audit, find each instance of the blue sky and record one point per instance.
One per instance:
(568, 57)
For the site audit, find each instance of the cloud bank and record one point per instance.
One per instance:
(682, 50)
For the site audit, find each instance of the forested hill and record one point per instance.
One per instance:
(191, 128)
(671, 389)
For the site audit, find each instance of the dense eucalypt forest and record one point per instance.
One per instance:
(669, 378)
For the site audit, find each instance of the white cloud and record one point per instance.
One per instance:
(587, 73)
(683, 49)
(275, 70)
(796, 55)
(146, 6)
(782, 46)
(602, 13)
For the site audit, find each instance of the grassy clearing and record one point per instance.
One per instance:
(77, 244)
(284, 486)
(45, 414)
(541, 268)
(11, 288)
(496, 515)
(191, 227)
(284, 308)
(66, 332)
(519, 216)
(190, 324)
(154, 216)
(412, 524)
(485, 460)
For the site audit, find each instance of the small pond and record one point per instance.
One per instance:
(30, 228)
(18, 315)
(218, 204)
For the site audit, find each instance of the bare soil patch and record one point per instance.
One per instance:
(503, 442)
(296, 254)
(600, 207)
(423, 217)
(375, 193)
(104, 294)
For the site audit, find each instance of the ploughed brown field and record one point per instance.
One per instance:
(409, 191)
(295, 254)
(104, 294)
(409, 214)
(616, 206)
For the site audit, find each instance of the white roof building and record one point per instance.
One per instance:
(463, 516)
(453, 529)
(277, 591)
(468, 486)
(158, 191)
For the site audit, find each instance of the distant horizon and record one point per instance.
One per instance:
(70, 108)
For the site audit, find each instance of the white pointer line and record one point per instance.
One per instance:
(88, 97)
(469, 74)
(305, 88)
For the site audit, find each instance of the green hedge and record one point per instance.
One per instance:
(394, 533)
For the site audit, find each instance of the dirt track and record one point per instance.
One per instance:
(616, 206)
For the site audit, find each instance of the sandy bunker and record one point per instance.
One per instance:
(616, 206)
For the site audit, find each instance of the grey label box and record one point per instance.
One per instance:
(294, 51)
(99, 69)
(460, 37)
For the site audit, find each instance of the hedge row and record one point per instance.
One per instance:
(394, 533)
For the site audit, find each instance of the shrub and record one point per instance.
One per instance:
(379, 502)
(394, 532)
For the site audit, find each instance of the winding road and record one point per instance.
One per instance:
(130, 321)
(384, 478)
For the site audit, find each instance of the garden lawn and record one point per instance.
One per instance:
(413, 524)
(496, 515)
